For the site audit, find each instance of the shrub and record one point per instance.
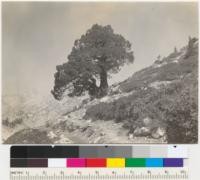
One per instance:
(13, 123)
(174, 107)
(181, 117)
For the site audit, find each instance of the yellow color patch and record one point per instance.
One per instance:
(115, 162)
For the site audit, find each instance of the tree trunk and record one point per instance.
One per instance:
(93, 89)
(103, 82)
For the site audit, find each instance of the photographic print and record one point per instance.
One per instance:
(99, 72)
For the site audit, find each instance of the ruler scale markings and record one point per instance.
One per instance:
(97, 175)
(106, 177)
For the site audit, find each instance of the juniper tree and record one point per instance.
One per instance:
(93, 57)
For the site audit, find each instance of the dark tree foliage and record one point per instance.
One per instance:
(98, 52)
(190, 47)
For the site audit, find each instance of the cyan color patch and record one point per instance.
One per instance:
(154, 162)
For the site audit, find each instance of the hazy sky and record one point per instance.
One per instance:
(37, 36)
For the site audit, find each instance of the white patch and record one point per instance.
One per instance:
(158, 84)
(104, 99)
(175, 61)
(147, 121)
(178, 151)
(57, 163)
(116, 89)
(51, 135)
(159, 65)
(63, 139)
(97, 140)
(130, 136)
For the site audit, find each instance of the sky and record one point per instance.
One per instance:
(37, 36)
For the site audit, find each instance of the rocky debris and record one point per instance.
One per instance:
(95, 132)
(155, 133)
(63, 140)
(148, 128)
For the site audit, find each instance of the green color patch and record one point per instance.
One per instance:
(135, 162)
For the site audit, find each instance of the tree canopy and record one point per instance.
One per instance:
(98, 52)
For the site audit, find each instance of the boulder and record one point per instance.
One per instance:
(131, 136)
(158, 132)
(115, 90)
(142, 131)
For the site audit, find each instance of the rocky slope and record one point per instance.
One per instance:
(141, 109)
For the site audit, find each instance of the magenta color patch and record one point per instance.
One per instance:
(76, 162)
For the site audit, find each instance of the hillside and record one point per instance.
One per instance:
(161, 99)
(158, 104)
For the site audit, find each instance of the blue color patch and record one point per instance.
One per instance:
(154, 162)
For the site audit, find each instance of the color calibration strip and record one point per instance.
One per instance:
(99, 162)
(99, 152)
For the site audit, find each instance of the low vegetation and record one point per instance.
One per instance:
(173, 105)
